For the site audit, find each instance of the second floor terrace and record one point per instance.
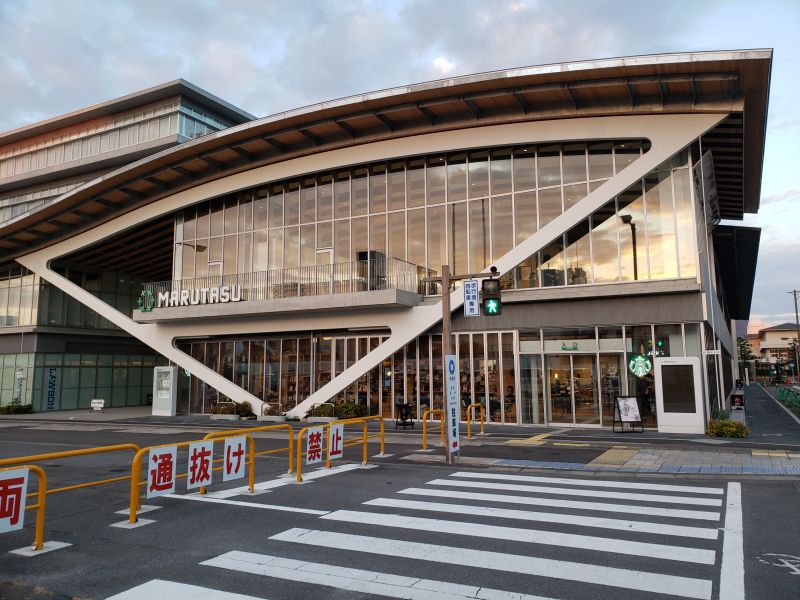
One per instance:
(373, 282)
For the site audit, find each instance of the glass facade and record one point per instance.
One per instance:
(71, 381)
(26, 299)
(123, 131)
(464, 208)
(563, 376)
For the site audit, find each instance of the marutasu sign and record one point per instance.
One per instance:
(212, 295)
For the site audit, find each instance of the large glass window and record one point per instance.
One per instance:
(495, 198)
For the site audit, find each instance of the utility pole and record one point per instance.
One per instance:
(447, 280)
(797, 325)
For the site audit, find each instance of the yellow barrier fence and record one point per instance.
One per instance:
(41, 493)
(432, 412)
(136, 469)
(7, 462)
(470, 412)
(363, 440)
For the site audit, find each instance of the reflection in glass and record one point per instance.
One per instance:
(560, 387)
(377, 189)
(436, 174)
(524, 168)
(601, 161)
(684, 218)
(605, 251)
(456, 177)
(531, 389)
(502, 226)
(525, 215)
(549, 205)
(397, 186)
(552, 264)
(457, 220)
(577, 254)
(574, 163)
(478, 174)
(501, 171)
(549, 166)
(632, 235)
(478, 235)
(661, 226)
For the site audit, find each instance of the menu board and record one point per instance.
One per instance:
(628, 407)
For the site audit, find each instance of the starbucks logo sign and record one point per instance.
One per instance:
(640, 365)
(146, 301)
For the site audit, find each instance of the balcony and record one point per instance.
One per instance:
(371, 283)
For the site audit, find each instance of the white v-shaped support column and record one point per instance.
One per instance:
(668, 134)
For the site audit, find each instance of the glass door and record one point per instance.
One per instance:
(559, 378)
(610, 384)
(531, 389)
(584, 388)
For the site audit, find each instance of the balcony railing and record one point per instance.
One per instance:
(337, 278)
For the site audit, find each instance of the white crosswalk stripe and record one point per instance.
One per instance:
(472, 527)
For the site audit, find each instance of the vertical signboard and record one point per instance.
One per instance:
(336, 440)
(165, 391)
(161, 470)
(201, 457)
(19, 386)
(314, 445)
(452, 402)
(13, 491)
(235, 458)
(472, 307)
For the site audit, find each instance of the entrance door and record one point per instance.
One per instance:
(679, 399)
(572, 386)
(531, 389)
(559, 378)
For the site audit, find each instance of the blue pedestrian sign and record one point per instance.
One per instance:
(472, 306)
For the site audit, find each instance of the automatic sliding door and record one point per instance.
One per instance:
(587, 404)
(558, 383)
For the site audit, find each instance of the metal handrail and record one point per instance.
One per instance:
(326, 426)
(433, 412)
(7, 462)
(470, 412)
(41, 493)
(337, 278)
(136, 470)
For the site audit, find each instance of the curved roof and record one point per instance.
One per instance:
(733, 82)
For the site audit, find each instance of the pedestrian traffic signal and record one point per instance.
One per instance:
(490, 297)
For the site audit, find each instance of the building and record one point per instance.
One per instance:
(284, 260)
(56, 352)
(776, 343)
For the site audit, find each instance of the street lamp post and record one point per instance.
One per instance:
(628, 220)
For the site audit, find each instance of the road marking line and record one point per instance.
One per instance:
(591, 482)
(573, 492)
(294, 509)
(282, 481)
(731, 575)
(530, 536)
(159, 588)
(573, 444)
(705, 533)
(357, 580)
(498, 561)
(630, 509)
(536, 440)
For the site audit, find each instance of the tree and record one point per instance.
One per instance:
(745, 350)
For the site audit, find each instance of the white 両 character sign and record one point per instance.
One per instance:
(235, 458)
(13, 491)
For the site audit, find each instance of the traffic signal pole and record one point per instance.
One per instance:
(446, 281)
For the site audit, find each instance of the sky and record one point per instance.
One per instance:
(267, 56)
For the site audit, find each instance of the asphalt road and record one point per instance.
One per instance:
(402, 530)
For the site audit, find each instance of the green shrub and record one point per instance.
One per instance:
(323, 410)
(727, 429)
(273, 410)
(723, 415)
(350, 410)
(224, 408)
(244, 409)
(16, 409)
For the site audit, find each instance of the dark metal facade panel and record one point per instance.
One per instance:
(588, 312)
(736, 251)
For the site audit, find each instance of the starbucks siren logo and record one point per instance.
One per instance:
(146, 301)
(640, 365)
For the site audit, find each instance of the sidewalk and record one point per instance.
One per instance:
(587, 450)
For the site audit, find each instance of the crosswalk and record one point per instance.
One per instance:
(502, 536)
